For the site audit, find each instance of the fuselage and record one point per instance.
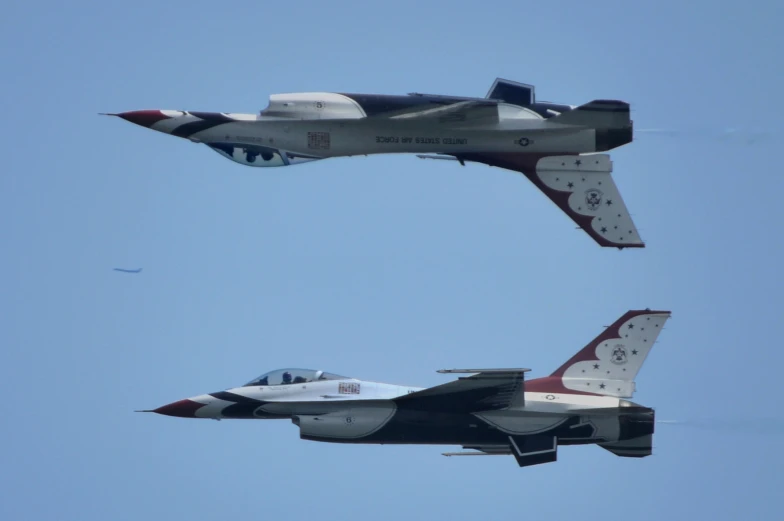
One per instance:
(336, 138)
(358, 411)
(302, 127)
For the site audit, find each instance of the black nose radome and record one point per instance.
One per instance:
(144, 118)
(180, 409)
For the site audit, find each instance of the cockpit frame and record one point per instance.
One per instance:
(289, 376)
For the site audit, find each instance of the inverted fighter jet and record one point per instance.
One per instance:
(491, 412)
(553, 145)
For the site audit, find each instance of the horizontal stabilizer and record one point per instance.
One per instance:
(596, 114)
(634, 448)
(473, 112)
(512, 92)
(627, 409)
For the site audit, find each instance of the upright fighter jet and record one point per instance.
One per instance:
(555, 146)
(491, 412)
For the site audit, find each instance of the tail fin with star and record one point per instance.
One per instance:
(609, 364)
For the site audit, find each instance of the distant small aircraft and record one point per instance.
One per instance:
(491, 412)
(138, 270)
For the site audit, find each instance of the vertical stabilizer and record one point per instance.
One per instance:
(609, 364)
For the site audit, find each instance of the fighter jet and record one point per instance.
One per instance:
(124, 270)
(554, 145)
(491, 412)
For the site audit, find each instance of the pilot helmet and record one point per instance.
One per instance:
(286, 377)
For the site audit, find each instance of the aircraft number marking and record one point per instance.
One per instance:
(348, 388)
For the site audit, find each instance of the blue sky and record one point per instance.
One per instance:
(385, 267)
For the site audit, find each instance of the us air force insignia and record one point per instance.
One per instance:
(524, 141)
(593, 198)
(619, 355)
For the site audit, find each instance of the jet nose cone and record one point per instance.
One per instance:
(144, 118)
(181, 409)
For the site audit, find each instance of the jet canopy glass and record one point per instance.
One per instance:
(293, 376)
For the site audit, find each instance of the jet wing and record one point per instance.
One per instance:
(487, 389)
(472, 112)
(581, 186)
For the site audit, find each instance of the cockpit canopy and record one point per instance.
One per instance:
(293, 376)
